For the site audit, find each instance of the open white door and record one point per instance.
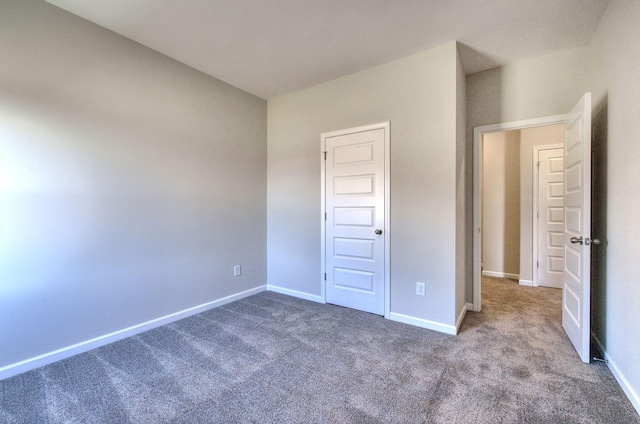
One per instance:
(576, 290)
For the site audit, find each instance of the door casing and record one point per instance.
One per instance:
(387, 191)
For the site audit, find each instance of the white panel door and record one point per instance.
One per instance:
(576, 292)
(355, 217)
(550, 217)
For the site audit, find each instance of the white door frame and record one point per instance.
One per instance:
(478, 133)
(536, 206)
(387, 191)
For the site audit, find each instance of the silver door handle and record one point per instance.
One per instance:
(575, 240)
(595, 241)
(378, 231)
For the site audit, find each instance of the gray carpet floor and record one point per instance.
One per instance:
(271, 358)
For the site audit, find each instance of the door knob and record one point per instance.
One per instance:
(575, 240)
(378, 231)
(595, 241)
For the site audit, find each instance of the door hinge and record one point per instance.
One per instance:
(537, 264)
(538, 164)
(325, 276)
(325, 216)
(325, 155)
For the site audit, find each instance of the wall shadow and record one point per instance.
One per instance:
(511, 242)
(599, 185)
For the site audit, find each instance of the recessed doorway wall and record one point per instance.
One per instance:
(501, 205)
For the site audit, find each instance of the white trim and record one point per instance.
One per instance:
(461, 316)
(478, 133)
(386, 125)
(633, 396)
(295, 293)
(469, 306)
(387, 218)
(323, 220)
(498, 274)
(75, 349)
(423, 323)
(527, 283)
(535, 204)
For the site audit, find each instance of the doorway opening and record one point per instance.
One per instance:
(503, 216)
(522, 214)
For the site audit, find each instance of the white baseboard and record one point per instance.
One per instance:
(498, 274)
(393, 316)
(405, 319)
(296, 293)
(633, 396)
(423, 323)
(75, 349)
(469, 306)
(526, 283)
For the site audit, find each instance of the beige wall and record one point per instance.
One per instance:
(543, 86)
(418, 95)
(130, 184)
(614, 81)
(530, 137)
(501, 204)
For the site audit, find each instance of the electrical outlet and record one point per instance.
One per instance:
(237, 271)
(420, 289)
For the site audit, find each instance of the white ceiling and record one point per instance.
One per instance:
(273, 47)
